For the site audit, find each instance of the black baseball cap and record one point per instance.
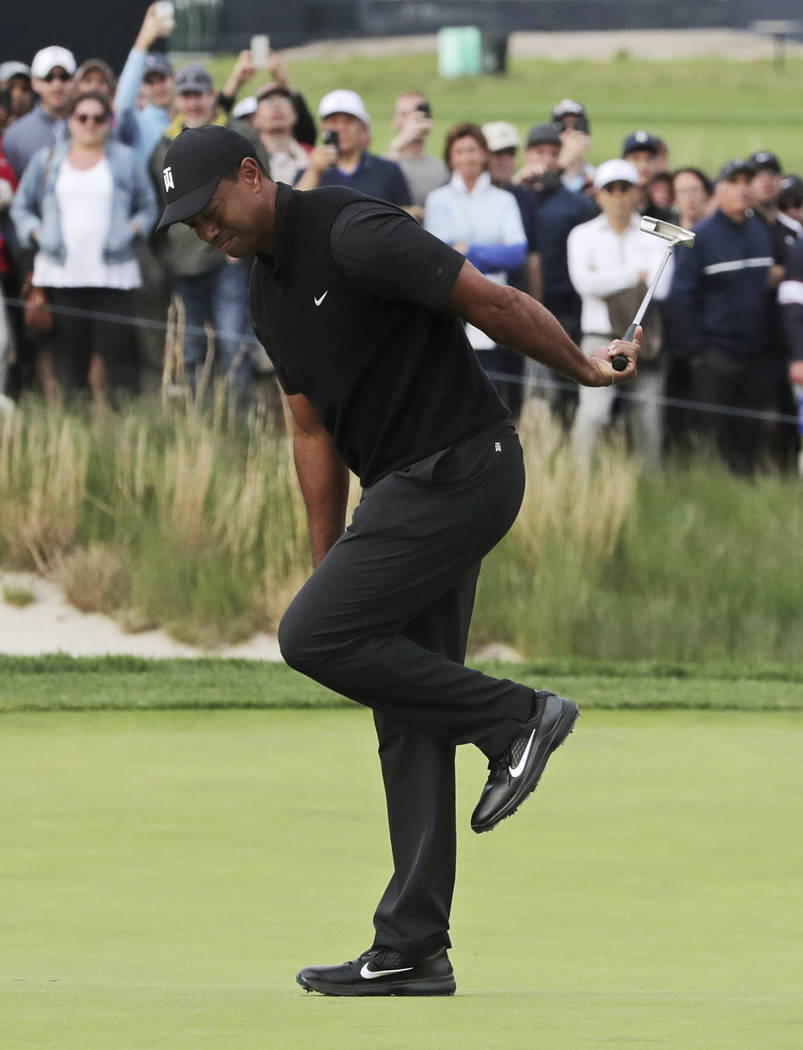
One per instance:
(194, 164)
(764, 160)
(541, 134)
(737, 166)
(641, 140)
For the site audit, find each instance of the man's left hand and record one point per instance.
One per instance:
(606, 374)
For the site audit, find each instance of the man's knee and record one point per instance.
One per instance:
(295, 641)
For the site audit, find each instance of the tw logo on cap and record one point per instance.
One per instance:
(167, 175)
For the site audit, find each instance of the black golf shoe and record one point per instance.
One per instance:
(515, 774)
(382, 971)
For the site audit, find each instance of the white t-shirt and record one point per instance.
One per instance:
(85, 208)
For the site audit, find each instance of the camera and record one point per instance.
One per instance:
(424, 107)
(330, 138)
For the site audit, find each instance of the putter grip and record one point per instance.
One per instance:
(620, 361)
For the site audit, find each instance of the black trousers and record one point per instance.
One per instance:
(384, 620)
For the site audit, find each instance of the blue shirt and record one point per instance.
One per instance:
(374, 176)
(31, 133)
(140, 129)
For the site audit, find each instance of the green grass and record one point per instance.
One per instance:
(125, 683)
(164, 874)
(707, 109)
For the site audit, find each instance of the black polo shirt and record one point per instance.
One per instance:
(350, 310)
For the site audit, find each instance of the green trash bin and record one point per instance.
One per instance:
(459, 52)
(196, 25)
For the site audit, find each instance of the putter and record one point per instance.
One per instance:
(675, 235)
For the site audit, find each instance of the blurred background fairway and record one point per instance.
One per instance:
(707, 109)
(164, 874)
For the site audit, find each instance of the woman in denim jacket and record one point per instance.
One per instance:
(81, 207)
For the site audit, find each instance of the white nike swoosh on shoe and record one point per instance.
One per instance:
(516, 771)
(369, 975)
(319, 301)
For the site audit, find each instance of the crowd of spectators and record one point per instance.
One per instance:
(82, 177)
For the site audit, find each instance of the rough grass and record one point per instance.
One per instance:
(65, 683)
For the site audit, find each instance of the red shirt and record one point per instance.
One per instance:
(6, 174)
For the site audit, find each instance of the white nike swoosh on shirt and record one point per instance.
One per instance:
(369, 975)
(516, 771)
(319, 301)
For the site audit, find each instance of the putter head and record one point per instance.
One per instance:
(667, 231)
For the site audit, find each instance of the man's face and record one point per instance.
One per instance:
(229, 222)
(766, 186)
(351, 132)
(159, 90)
(544, 155)
(502, 164)
(406, 106)
(196, 107)
(21, 95)
(54, 90)
(275, 114)
(734, 196)
(94, 80)
(645, 163)
(618, 201)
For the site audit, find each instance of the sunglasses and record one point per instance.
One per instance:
(618, 187)
(63, 77)
(96, 118)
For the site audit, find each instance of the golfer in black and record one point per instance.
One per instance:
(362, 314)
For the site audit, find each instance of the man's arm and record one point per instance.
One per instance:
(322, 474)
(513, 319)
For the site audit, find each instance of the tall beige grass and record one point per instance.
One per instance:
(43, 485)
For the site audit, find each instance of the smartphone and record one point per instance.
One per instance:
(424, 107)
(166, 13)
(260, 51)
(330, 138)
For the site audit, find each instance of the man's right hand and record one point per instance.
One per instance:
(153, 27)
(323, 157)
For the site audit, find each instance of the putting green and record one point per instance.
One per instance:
(164, 874)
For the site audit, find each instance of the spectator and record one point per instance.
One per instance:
(94, 75)
(5, 110)
(484, 224)
(82, 205)
(348, 163)
(643, 151)
(303, 130)
(721, 319)
(274, 120)
(766, 187)
(659, 193)
(559, 211)
(412, 122)
(790, 199)
(503, 147)
(152, 71)
(52, 71)
(15, 77)
(790, 296)
(9, 283)
(212, 288)
(611, 262)
(691, 196)
(571, 120)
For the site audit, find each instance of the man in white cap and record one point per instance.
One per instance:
(343, 158)
(611, 261)
(52, 72)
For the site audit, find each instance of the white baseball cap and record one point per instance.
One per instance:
(245, 108)
(14, 69)
(501, 135)
(49, 57)
(615, 171)
(343, 101)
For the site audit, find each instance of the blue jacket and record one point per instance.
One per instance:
(35, 206)
(559, 211)
(718, 299)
